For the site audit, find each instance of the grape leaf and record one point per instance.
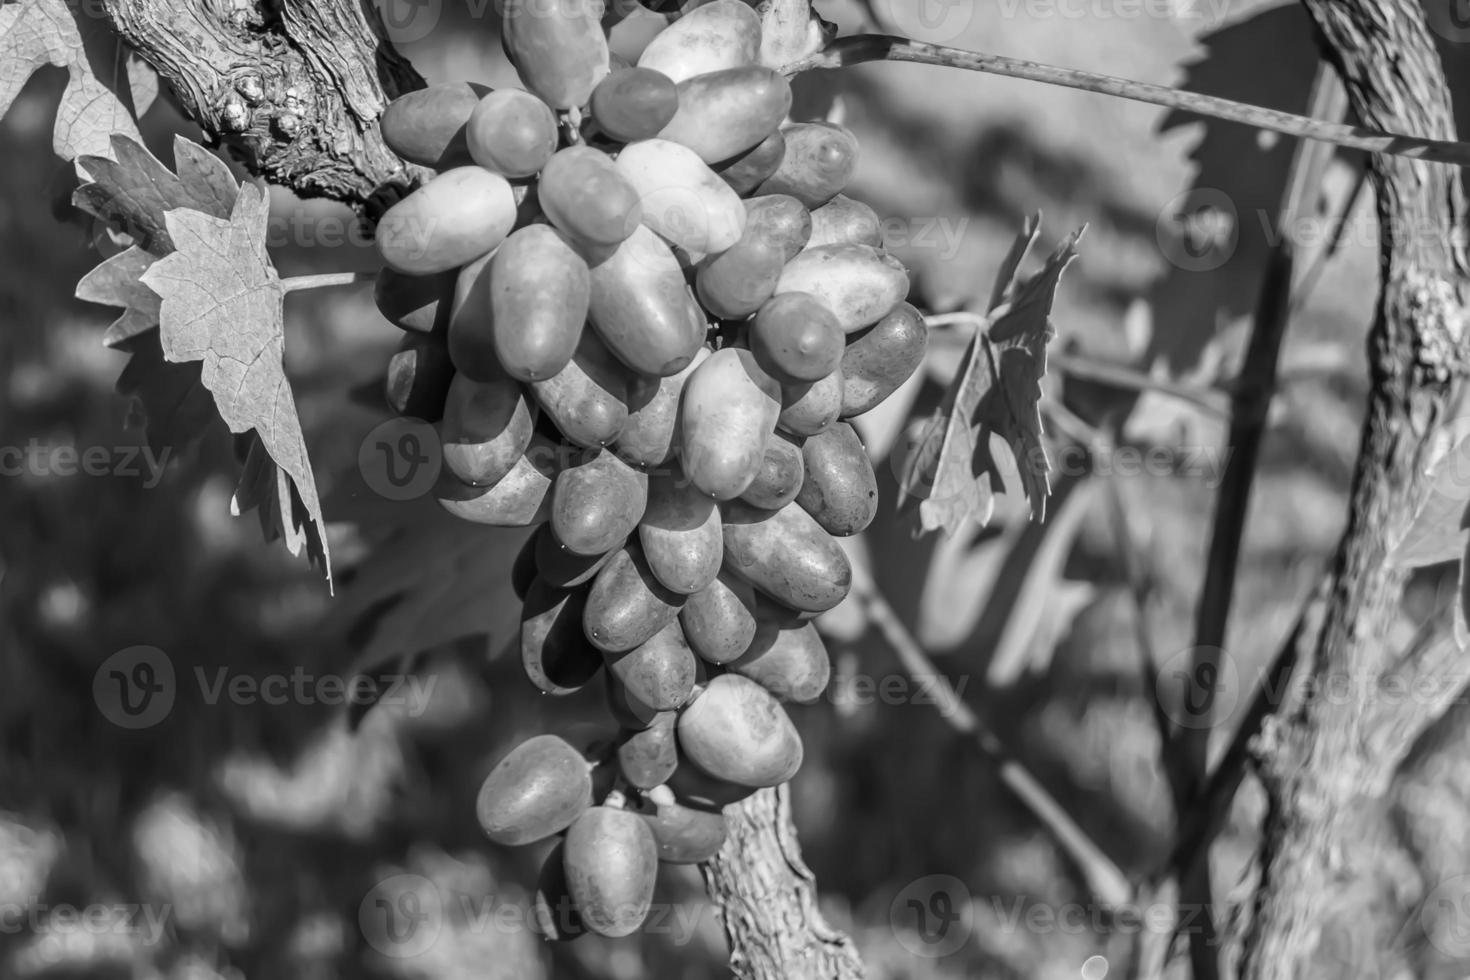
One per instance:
(952, 469)
(222, 306)
(34, 33)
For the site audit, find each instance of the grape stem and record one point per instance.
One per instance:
(860, 48)
(292, 283)
(1103, 875)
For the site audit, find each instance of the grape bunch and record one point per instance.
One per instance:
(642, 313)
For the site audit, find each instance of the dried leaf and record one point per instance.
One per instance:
(996, 394)
(221, 305)
(34, 33)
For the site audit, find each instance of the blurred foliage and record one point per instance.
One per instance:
(260, 833)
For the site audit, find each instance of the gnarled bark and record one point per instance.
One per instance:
(295, 87)
(1327, 762)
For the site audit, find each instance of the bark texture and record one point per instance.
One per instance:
(294, 87)
(1333, 758)
(767, 899)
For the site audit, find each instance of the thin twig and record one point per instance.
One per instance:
(292, 283)
(1104, 877)
(860, 48)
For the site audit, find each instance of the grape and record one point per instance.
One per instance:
(796, 338)
(596, 503)
(555, 653)
(696, 789)
(557, 47)
(634, 104)
(735, 731)
(719, 620)
(859, 283)
(511, 133)
(680, 534)
(553, 910)
(627, 605)
(819, 160)
(419, 376)
(521, 498)
(540, 788)
(737, 281)
(414, 303)
(539, 291)
(747, 171)
(781, 474)
(685, 834)
(791, 664)
(456, 217)
(626, 710)
(647, 758)
(683, 199)
(648, 437)
(659, 672)
(560, 567)
(487, 427)
(724, 113)
(718, 35)
(881, 358)
(585, 195)
(611, 862)
(843, 221)
(730, 406)
(807, 409)
(642, 308)
(587, 399)
(787, 555)
(840, 490)
(427, 127)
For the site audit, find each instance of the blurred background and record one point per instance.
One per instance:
(241, 834)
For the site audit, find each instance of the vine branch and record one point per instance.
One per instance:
(860, 48)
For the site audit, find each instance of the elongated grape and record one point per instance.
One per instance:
(680, 533)
(561, 567)
(685, 834)
(724, 113)
(796, 338)
(746, 171)
(858, 283)
(641, 307)
(787, 555)
(427, 126)
(634, 104)
(737, 281)
(585, 195)
(719, 620)
(682, 198)
(611, 863)
(736, 731)
(512, 133)
(486, 428)
(807, 409)
(647, 758)
(587, 399)
(597, 503)
(540, 788)
(659, 672)
(455, 218)
(521, 498)
(730, 406)
(819, 160)
(558, 48)
(840, 490)
(627, 605)
(791, 664)
(781, 474)
(470, 331)
(651, 433)
(539, 292)
(719, 35)
(843, 221)
(881, 358)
